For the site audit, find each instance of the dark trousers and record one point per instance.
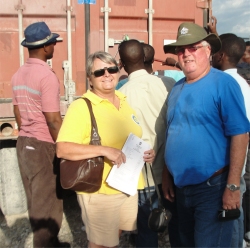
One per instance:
(36, 162)
(146, 237)
(173, 227)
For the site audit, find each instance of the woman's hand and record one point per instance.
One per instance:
(116, 156)
(149, 156)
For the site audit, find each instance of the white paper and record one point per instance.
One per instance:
(125, 178)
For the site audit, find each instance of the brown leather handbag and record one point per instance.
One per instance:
(84, 175)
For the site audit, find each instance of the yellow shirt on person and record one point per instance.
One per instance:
(114, 126)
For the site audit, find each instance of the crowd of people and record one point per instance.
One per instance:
(195, 119)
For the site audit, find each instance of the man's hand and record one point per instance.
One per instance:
(231, 200)
(17, 116)
(212, 25)
(238, 148)
(171, 62)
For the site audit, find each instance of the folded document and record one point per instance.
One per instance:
(125, 178)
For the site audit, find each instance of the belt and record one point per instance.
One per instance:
(220, 171)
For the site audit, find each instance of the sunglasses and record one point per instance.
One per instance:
(191, 49)
(101, 72)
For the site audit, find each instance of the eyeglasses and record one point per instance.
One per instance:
(101, 72)
(191, 49)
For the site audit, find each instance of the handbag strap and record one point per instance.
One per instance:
(156, 187)
(94, 130)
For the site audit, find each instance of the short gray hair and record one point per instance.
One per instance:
(205, 43)
(103, 56)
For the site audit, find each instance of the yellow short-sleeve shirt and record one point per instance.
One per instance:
(114, 126)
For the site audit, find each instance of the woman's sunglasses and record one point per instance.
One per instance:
(101, 72)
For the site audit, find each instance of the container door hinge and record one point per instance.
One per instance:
(68, 8)
(203, 4)
(20, 7)
(105, 9)
(149, 11)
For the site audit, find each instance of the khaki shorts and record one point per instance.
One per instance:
(104, 215)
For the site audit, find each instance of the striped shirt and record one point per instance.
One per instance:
(36, 89)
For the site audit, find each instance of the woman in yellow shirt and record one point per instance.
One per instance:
(108, 211)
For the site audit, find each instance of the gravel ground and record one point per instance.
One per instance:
(15, 230)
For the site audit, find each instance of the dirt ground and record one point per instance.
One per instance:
(15, 230)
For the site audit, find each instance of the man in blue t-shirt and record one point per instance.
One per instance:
(206, 141)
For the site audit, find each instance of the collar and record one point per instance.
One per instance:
(97, 100)
(38, 62)
(231, 70)
(137, 73)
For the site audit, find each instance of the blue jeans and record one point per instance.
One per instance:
(198, 207)
(238, 234)
(145, 236)
(246, 197)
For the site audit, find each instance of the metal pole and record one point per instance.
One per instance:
(69, 38)
(87, 34)
(20, 9)
(106, 26)
(150, 22)
(71, 84)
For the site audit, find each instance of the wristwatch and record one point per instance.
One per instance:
(233, 187)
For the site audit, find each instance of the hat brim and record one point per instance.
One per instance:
(212, 39)
(51, 40)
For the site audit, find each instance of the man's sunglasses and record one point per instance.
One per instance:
(101, 72)
(191, 49)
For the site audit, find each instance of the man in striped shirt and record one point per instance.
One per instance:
(36, 100)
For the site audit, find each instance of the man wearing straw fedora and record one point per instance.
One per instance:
(206, 142)
(36, 100)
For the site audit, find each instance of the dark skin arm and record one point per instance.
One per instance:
(54, 122)
(17, 116)
(171, 62)
(167, 185)
(212, 25)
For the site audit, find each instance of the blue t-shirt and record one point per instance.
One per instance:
(202, 117)
(121, 83)
(176, 75)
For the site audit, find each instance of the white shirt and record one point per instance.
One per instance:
(245, 89)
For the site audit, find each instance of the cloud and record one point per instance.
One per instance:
(232, 16)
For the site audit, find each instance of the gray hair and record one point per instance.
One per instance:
(205, 43)
(103, 56)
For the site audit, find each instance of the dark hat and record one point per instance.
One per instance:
(38, 34)
(190, 33)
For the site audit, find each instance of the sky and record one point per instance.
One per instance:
(233, 16)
